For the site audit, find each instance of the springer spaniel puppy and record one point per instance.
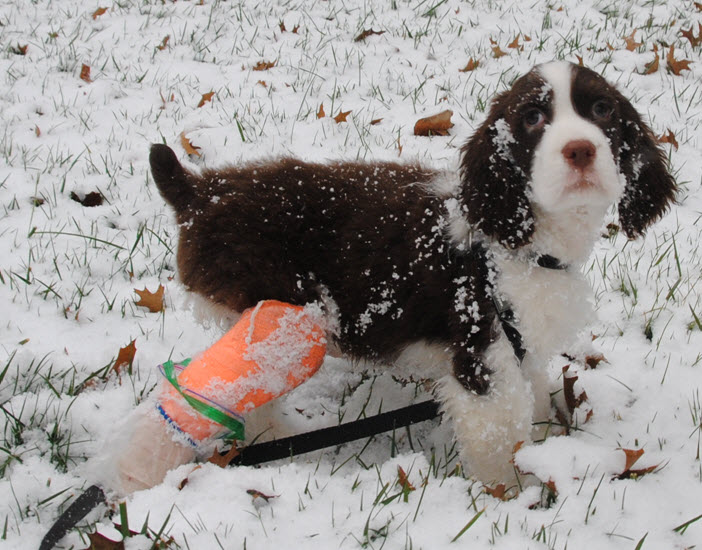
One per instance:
(483, 265)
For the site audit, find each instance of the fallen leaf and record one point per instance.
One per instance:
(690, 35)
(282, 26)
(206, 98)
(593, 361)
(85, 73)
(632, 456)
(376, 121)
(365, 34)
(258, 494)
(101, 542)
(341, 117)
(580, 61)
(223, 459)
(471, 66)
(89, 199)
(19, 50)
(652, 67)
(264, 65)
(186, 479)
(321, 113)
(527, 38)
(435, 125)
(37, 131)
(572, 402)
(189, 147)
(403, 481)
(497, 52)
(631, 44)
(125, 357)
(515, 44)
(262, 83)
(98, 12)
(151, 300)
(499, 491)
(669, 138)
(676, 66)
(164, 42)
(295, 29)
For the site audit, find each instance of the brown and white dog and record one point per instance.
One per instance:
(482, 265)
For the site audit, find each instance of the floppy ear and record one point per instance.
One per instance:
(650, 189)
(493, 187)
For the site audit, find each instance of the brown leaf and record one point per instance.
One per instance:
(515, 44)
(206, 98)
(258, 494)
(125, 357)
(37, 131)
(223, 459)
(632, 456)
(189, 147)
(151, 300)
(263, 83)
(282, 26)
(341, 117)
(321, 113)
(19, 50)
(652, 67)
(471, 66)
(403, 481)
(499, 491)
(580, 60)
(264, 65)
(186, 479)
(631, 44)
(376, 121)
(593, 361)
(85, 73)
(676, 66)
(365, 34)
(164, 42)
(89, 199)
(295, 29)
(497, 52)
(669, 138)
(527, 38)
(98, 12)
(435, 125)
(690, 35)
(101, 542)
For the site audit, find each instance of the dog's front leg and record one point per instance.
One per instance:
(489, 426)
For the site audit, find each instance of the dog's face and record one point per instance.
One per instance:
(562, 138)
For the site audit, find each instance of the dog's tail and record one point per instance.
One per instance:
(174, 183)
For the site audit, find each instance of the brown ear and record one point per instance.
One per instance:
(494, 189)
(650, 189)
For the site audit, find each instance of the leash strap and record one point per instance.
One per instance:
(265, 452)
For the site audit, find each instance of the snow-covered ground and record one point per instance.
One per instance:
(68, 272)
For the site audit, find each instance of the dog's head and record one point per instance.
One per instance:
(561, 138)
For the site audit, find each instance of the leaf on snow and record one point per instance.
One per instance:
(652, 67)
(403, 481)
(632, 456)
(19, 50)
(264, 65)
(572, 402)
(321, 113)
(676, 66)
(189, 147)
(365, 34)
(256, 494)
(85, 73)
(669, 138)
(125, 357)
(89, 199)
(223, 459)
(690, 35)
(151, 300)
(164, 42)
(376, 121)
(205, 98)
(341, 117)
(594, 360)
(98, 12)
(101, 542)
(471, 66)
(435, 125)
(631, 43)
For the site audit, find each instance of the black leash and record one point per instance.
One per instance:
(266, 452)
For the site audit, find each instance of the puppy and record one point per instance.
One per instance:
(483, 264)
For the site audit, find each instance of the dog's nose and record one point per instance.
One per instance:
(579, 153)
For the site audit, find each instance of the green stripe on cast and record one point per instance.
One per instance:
(235, 427)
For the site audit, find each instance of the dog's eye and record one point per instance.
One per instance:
(602, 109)
(534, 119)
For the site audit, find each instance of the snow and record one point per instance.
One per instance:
(68, 272)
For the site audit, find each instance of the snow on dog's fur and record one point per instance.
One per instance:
(413, 258)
